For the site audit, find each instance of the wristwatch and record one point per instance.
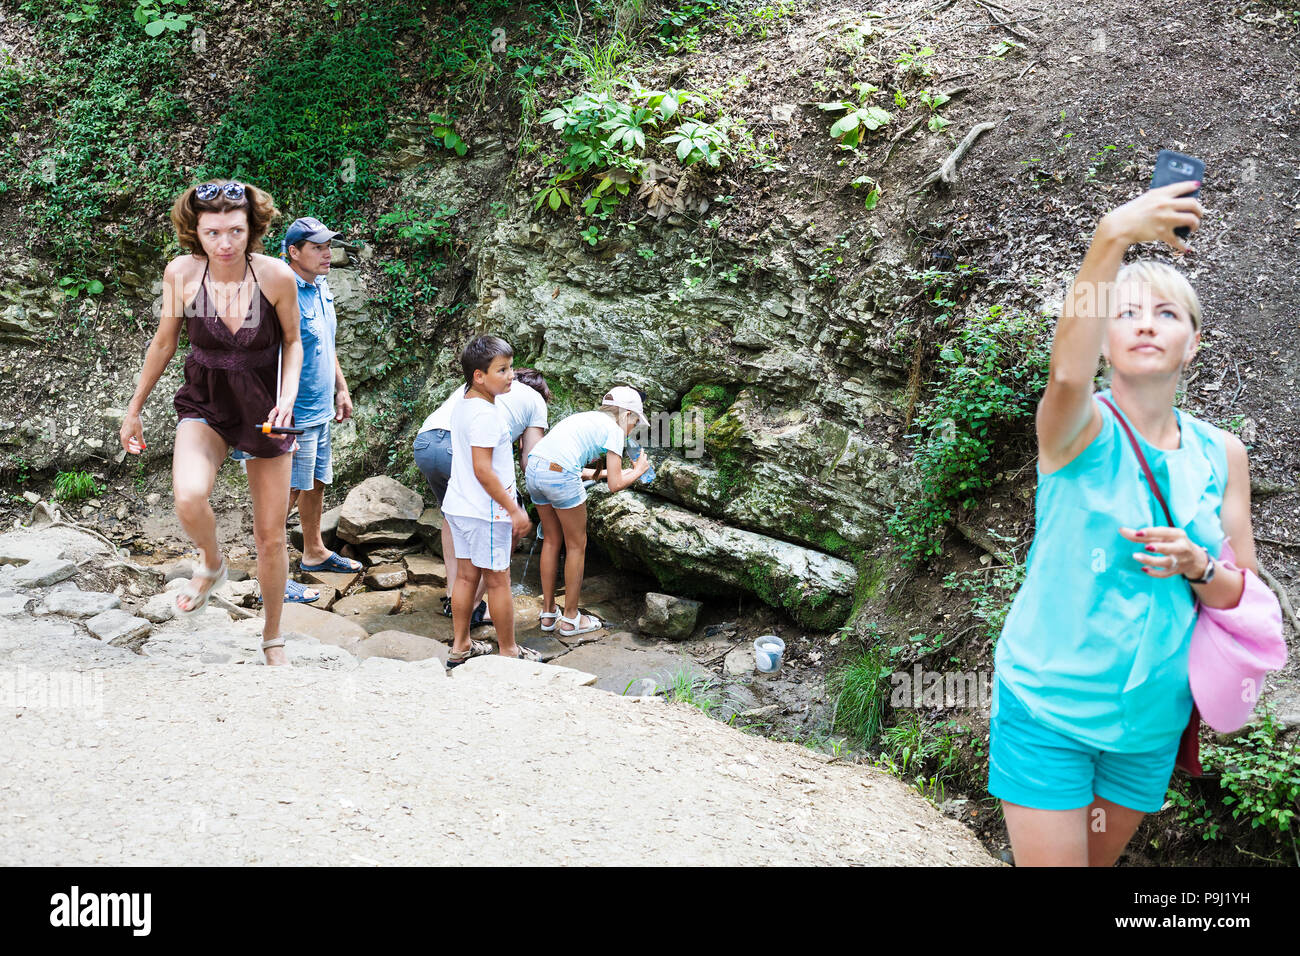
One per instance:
(1209, 570)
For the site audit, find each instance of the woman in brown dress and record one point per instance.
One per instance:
(240, 310)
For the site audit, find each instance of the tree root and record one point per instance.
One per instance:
(947, 170)
(983, 542)
(1287, 611)
(917, 122)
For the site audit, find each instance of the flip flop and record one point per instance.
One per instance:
(335, 563)
(295, 593)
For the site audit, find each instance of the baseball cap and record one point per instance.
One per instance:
(620, 396)
(309, 229)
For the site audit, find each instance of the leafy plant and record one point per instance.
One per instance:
(75, 486)
(155, 18)
(444, 130)
(858, 119)
(697, 141)
(411, 227)
(873, 190)
(73, 287)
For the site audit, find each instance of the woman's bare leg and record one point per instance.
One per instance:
(196, 458)
(552, 540)
(268, 481)
(1047, 837)
(1110, 827)
(574, 522)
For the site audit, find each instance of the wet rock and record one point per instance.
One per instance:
(181, 569)
(322, 625)
(371, 610)
(386, 576)
(543, 644)
(393, 555)
(329, 527)
(238, 573)
(339, 581)
(429, 528)
(668, 616)
(401, 646)
(692, 554)
(422, 569)
(78, 604)
(739, 662)
(621, 667)
(120, 628)
(42, 573)
(642, 687)
(379, 511)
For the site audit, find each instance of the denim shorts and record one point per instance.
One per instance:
(235, 453)
(1034, 765)
(312, 461)
(559, 489)
(433, 458)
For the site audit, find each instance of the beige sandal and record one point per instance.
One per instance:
(199, 598)
(476, 649)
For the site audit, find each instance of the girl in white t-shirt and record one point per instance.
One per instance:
(554, 481)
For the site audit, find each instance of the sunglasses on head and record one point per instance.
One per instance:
(209, 191)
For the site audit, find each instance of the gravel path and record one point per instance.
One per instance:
(394, 763)
(193, 752)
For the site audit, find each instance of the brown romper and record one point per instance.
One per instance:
(230, 380)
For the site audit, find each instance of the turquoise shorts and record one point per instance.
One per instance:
(1033, 765)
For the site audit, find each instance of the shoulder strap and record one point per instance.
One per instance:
(1146, 469)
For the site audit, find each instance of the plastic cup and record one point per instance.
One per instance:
(768, 650)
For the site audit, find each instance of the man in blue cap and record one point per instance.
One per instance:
(322, 395)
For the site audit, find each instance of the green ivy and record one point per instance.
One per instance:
(990, 378)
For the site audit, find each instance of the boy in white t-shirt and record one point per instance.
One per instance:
(480, 505)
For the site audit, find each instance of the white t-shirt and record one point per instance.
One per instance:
(478, 423)
(580, 438)
(522, 407)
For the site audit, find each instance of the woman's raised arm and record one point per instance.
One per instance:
(1066, 408)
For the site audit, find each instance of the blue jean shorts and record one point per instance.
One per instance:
(559, 489)
(235, 453)
(312, 461)
(433, 457)
(1036, 766)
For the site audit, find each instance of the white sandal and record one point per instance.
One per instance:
(543, 616)
(274, 642)
(575, 621)
(198, 598)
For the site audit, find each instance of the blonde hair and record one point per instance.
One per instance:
(620, 415)
(1167, 280)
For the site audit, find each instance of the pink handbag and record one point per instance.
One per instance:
(1231, 647)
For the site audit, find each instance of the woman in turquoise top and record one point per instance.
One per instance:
(1091, 695)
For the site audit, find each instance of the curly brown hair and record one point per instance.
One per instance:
(187, 207)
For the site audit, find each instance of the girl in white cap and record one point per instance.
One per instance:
(554, 481)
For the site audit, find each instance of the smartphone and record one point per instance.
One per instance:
(1174, 167)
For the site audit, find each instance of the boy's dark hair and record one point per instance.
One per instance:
(534, 380)
(478, 355)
